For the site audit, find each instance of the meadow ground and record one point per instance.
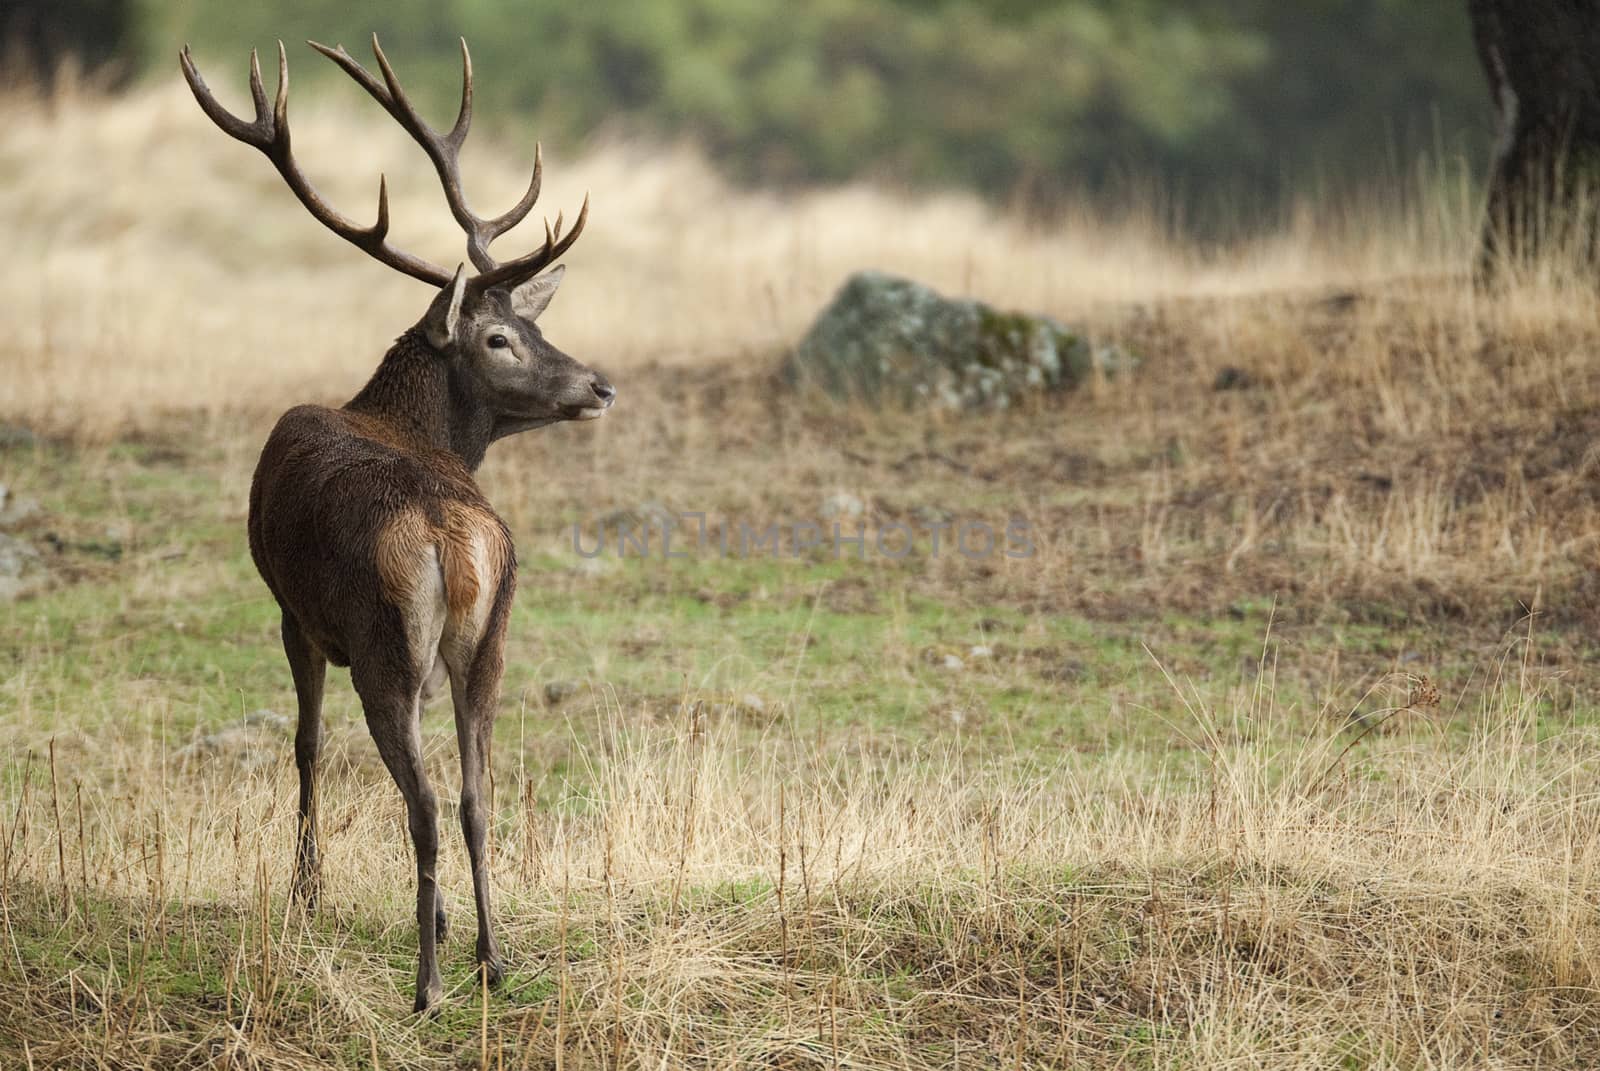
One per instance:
(1280, 750)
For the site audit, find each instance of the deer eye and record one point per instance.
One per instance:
(498, 342)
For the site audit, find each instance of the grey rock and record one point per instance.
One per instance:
(556, 692)
(20, 567)
(17, 509)
(645, 517)
(887, 338)
(267, 719)
(1113, 361)
(16, 436)
(842, 505)
(749, 707)
(254, 744)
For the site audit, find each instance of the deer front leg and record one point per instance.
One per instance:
(309, 669)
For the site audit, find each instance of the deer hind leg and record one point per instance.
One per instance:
(434, 680)
(390, 682)
(392, 717)
(309, 669)
(431, 684)
(473, 646)
(476, 693)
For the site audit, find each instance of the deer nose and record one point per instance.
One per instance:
(603, 390)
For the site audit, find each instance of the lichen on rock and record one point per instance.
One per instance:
(884, 338)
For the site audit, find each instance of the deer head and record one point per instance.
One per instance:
(483, 324)
(500, 355)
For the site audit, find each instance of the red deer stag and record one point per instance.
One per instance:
(365, 521)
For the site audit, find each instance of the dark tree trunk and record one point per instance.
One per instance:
(1542, 58)
(37, 36)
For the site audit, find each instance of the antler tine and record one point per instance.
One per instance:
(402, 108)
(519, 211)
(463, 123)
(350, 66)
(280, 103)
(258, 94)
(269, 133)
(525, 267)
(444, 150)
(381, 227)
(230, 124)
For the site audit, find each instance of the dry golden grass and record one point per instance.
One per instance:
(698, 900)
(154, 263)
(1178, 864)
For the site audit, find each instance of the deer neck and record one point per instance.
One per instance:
(420, 393)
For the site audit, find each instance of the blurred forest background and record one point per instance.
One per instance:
(1228, 108)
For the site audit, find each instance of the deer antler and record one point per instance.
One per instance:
(270, 134)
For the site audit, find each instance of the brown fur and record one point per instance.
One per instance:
(409, 531)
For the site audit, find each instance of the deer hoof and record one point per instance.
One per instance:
(441, 925)
(429, 998)
(492, 971)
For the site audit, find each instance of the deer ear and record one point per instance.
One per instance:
(440, 321)
(533, 296)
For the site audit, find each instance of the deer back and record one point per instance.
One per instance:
(353, 527)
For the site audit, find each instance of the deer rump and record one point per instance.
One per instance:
(344, 506)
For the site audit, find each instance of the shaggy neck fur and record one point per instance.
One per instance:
(418, 391)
